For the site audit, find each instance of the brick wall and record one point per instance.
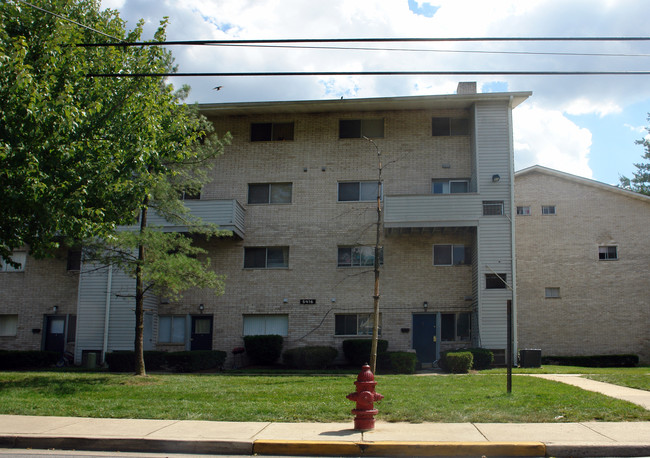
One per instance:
(604, 305)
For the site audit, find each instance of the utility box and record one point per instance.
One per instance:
(530, 358)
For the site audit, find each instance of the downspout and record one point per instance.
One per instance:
(107, 314)
(513, 214)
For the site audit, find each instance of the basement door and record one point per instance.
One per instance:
(424, 337)
(201, 336)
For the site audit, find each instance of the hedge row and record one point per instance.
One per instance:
(593, 360)
(481, 358)
(311, 357)
(263, 349)
(10, 359)
(179, 361)
(357, 351)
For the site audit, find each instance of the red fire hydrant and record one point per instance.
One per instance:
(365, 396)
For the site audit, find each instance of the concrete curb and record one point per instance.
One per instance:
(318, 448)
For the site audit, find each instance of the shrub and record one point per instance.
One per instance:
(593, 360)
(459, 362)
(263, 349)
(313, 357)
(27, 359)
(181, 361)
(357, 351)
(192, 361)
(401, 362)
(483, 358)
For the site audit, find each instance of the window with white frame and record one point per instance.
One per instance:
(457, 186)
(552, 292)
(523, 210)
(445, 127)
(269, 193)
(358, 256)
(354, 324)
(18, 256)
(271, 131)
(171, 329)
(452, 255)
(607, 253)
(455, 327)
(492, 207)
(8, 325)
(359, 128)
(266, 257)
(358, 191)
(548, 210)
(256, 325)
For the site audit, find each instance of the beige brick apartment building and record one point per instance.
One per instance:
(583, 266)
(298, 188)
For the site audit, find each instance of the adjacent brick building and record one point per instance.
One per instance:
(298, 189)
(583, 267)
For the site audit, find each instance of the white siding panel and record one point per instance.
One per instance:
(91, 305)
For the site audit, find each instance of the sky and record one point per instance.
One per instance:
(583, 125)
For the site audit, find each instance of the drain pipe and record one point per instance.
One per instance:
(107, 309)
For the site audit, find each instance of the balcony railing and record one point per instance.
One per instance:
(432, 210)
(227, 214)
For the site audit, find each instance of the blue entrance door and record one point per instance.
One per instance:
(424, 336)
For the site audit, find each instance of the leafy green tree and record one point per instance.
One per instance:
(81, 155)
(640, 182)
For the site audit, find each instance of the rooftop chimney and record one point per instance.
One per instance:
(466, 87)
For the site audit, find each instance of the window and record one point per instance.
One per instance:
(20, 257)
(354, 324)
(266, 258)
(607, 253)
(171, 329)
(552, 292)
(358, 191)
(525, 211)
(271, 131)
(450, 186)
(455, 326)
(269, 193)
(548, 209)
(444, 127)
(495, 281)
(8, 325)
(451, 255)
(492, 207)
(359, 128)
(74, 260)
(256, 325)
(358, 256)
(190, 194)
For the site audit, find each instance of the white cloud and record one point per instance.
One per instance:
(548, 138)
(583, 105)
(639, 129)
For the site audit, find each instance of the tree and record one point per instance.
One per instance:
(640, 182)
(81, 155)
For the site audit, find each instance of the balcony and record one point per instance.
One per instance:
(431, 211)
(227, 214)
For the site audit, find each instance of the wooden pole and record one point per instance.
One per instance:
(509, 346)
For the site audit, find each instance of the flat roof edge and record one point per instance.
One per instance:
(363, 104)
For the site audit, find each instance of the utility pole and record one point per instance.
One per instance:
(375, 324)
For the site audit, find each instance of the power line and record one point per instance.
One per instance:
(358, 40)
(371, 73)
(69, 20)
(353, 48)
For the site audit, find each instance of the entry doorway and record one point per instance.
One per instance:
(54, 333)
(425, 337)
(201, 335)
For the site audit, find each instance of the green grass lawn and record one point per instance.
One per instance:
(294, 398)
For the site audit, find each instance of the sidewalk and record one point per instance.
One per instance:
(333, 439)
